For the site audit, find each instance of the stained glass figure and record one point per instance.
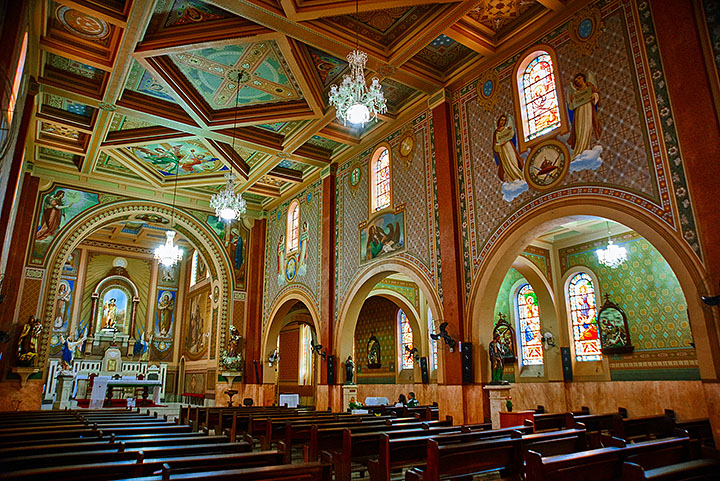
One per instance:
(433, 342)
(581, 295)
(382, 180)
(293, 227)
(538, 97)
(406, 341)
(529, 321)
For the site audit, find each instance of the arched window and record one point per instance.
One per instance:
(194, 269)
(380, 173)
(528, 314)
(406, 341)
(433, 342)
(539, 97)
(583, 314)
(293, 227)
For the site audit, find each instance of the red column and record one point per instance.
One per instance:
(327, 303)
(450, 236)
(253, 332)
(16, 259)
(696, 121)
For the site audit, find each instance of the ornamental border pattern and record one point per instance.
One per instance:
(666, 141)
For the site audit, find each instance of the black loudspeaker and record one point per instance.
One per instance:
(566, 363)
(467, 362)
(331, 370)
(424, 370)
(256, 364)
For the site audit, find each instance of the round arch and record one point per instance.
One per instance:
(679, 256)
(276, 321)
(413, 316)
(198, 234)
(361, 287)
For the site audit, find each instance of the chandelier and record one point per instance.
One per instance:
(353, 100)
(169, 254)
(612, 256)
(227, 204)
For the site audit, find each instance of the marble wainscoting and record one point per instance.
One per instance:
(425, 393)
(528, 395)
(328, 397)
(13, 397)
(712, 398)
(261, 394)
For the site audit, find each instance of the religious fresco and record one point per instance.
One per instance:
(259, 68)
(168, 276)
(599, 71)
(140, 80)
(236, 243)
(81, 24)
(114, 308)
(195, 338)
(383, 235)
(184, 158)
(63, 305)
(179, 13)
(55, 209)
(72, 264)
(165, 314)
(328, 67)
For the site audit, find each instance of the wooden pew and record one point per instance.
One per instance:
(551, 421)
(466, 459)
(648, 427)
(284, 472)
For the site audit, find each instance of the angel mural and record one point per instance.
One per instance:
(52, 216)
(62, 304)
(281, 260)
(582, 110)
(302, 257)
(507, 157)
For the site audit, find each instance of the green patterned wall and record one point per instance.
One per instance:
(502, 303)
(378, 317)
(644, 286)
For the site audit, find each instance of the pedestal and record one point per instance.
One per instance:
(349, 391)
(498, 394)
(63, 391)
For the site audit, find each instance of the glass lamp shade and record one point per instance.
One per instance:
(358, 114)
(227, 214)
(227, 204)
(169, 254)
(612, 256)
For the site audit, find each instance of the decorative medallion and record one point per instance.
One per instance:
(547, 165)
(355, 176)
(486, 88)
(585, 28)
(406, 148)
(614, 331)
(81, 24)
(291, 268)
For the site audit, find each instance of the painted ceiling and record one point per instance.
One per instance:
(134, 94)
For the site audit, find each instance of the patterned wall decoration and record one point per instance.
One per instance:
(635, 159)
(388, 25)
(541, 258)
(75, 68)
(378, 317)
(140, 80)
(307, 270)
(413, 184)
(409, 290)
(712, 18)
(444, 53)
(81, 24)
(194, 382)
(328, 67)
(196, 327)
(68, 105)
(259, 67)
(56, 208)
(178, 13)
(502, 303)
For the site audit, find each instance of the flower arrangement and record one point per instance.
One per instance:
(508, 403)
(230, 362)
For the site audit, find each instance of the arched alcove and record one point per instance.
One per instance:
(683, 262)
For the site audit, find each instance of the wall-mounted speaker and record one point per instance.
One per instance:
(466, 354)
(566, 357)
(256, 365)
(424, 370)
(330, 370)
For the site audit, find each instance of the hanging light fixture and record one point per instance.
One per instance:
(353, 100)
(227, 204)
(169, 254)
(612, 256)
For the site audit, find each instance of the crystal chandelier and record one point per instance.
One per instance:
(353, 100)
(612, 256)
(227, 204)
(169, 254)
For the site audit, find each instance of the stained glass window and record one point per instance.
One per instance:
(433, 342)
(538, 97)
(382, 180)
(293, 227)
(529, 321)
(581, 296)
(194, 269)
(406, 341)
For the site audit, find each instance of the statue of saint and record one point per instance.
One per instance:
(68, 351)
(349, 366)
(234, 342)
(28, 341)
(497, 363)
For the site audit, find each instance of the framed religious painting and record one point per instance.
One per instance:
(373, 353)
(546, 165)
(507, 338)
(614, 331)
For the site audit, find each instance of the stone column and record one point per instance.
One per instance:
(498, 395)
(63, 390)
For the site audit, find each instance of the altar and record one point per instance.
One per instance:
(103, 387)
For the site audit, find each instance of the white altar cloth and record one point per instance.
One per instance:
(101, 384)
(376, 401)
(292, 400)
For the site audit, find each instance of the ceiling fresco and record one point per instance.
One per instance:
(258, 68)
(133, 93)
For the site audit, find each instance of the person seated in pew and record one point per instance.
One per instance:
(401, 402)
(412, 402)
